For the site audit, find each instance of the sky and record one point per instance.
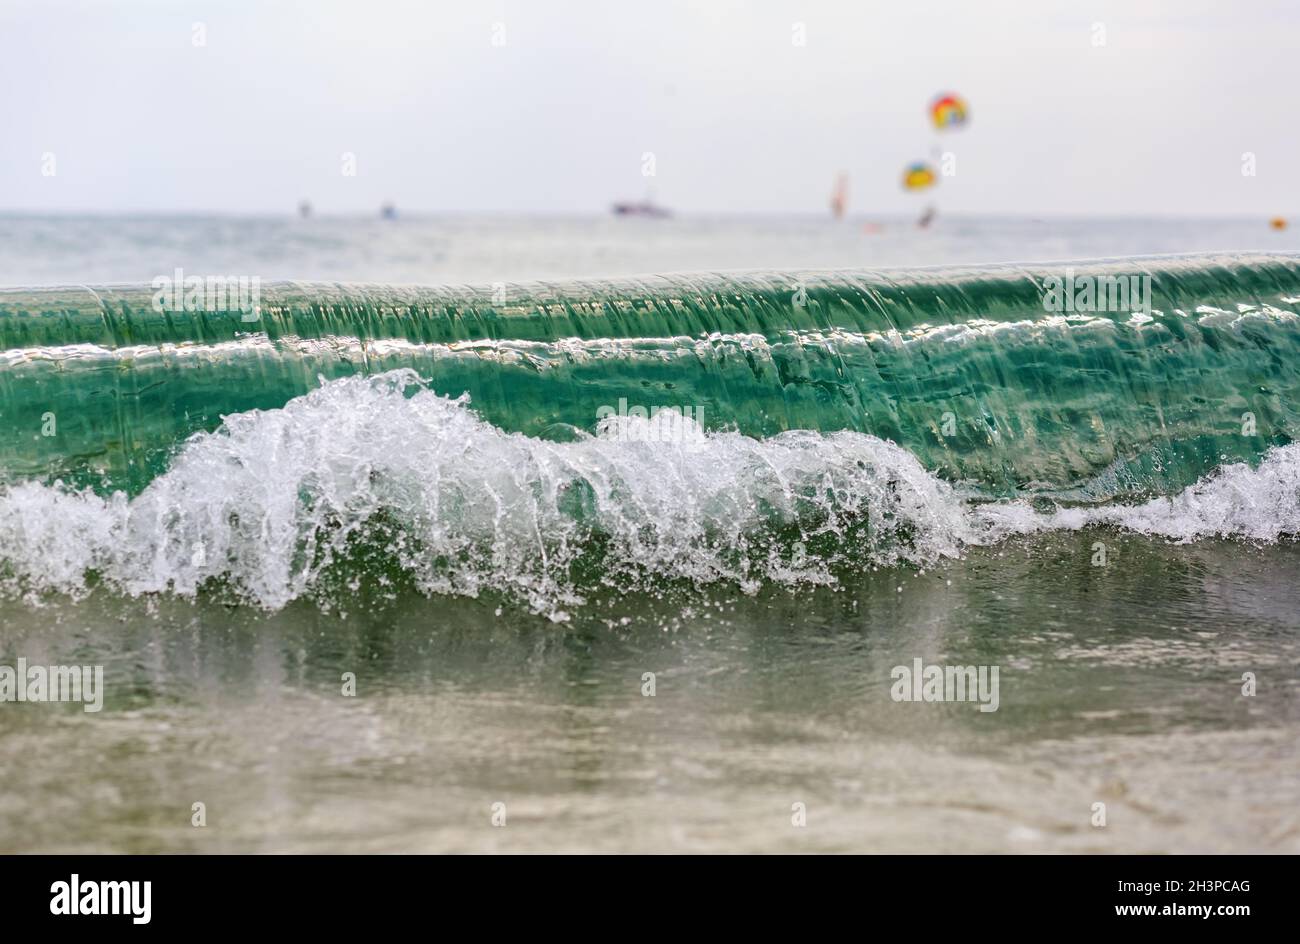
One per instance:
(1143, 107)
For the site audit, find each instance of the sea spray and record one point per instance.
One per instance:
(274, 502)
(273, 499)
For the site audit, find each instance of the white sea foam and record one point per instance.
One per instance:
(272, 499)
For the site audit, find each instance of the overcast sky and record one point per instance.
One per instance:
(557, 118)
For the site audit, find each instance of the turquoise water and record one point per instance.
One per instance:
(472, 498)
(963, 367)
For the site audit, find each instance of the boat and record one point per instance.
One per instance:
(640, 208)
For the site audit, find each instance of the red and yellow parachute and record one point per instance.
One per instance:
(949, 111)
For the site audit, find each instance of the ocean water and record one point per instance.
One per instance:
(423, 250)
(615, 532)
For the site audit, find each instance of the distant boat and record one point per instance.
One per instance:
(640, 208)
(304, 209)
(388, 212)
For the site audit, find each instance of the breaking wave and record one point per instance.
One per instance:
(383, 479)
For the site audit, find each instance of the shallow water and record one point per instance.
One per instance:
(1119, 684)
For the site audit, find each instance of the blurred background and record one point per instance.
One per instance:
(1141, 107)
(491, 141)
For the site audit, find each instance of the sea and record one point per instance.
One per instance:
(699, 534)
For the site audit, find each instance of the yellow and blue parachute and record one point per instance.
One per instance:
(919, 176)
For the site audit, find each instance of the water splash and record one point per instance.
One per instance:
(275, 502)
(273, 498)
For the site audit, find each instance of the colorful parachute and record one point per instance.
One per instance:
(919, 176)
(948, 111)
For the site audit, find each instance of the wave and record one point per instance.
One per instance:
(542, 441)
(383, 479)
(964, 368)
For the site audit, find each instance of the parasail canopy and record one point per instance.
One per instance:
(919, 176)
(948, 111)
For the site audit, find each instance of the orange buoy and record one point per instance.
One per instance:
(1277, 222)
